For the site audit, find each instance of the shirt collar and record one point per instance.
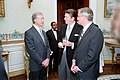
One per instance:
(36, 27)
(53, 29)
(72, 25)
(86, 27)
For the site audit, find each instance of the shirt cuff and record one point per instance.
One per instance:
(72, 47)
(73, 60)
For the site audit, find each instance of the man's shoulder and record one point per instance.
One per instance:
(63, 25)
(95, 27)
(29, 30)
(48, 31)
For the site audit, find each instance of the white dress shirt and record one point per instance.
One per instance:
(39, 29)
(55, 33)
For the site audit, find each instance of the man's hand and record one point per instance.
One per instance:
(75, 69)
(73, 65)
(45, 63)
(67, 43)
(60, 45)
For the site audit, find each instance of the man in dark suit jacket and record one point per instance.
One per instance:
(53, 36)
(70, 33)
(3, 75)
(87, 53)
(37, 46)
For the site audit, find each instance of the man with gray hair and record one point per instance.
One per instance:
(37, 46)
(85, 62)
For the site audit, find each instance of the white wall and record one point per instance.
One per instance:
(93, 6)
(18, 15)
(98, 9)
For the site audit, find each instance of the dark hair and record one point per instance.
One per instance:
(52, 23)
(72, 13)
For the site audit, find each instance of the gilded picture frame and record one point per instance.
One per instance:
(109, 6)
(2, 9)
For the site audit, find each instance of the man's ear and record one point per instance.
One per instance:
(34, 20)
(73, 18)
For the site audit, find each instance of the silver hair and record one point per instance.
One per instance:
(87, 12)
(35, 15)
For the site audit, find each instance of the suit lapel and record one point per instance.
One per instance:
(45, 38)
(84, 35)
(52, 34)
(37, 35)
(72, 32)
(79, 40)
(57, 35)
(64, 30)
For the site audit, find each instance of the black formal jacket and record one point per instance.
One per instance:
(73, 38)
(52, 40)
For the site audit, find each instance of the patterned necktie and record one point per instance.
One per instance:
(42, 36)
(67, 33)
(67, 36)
(55, 33)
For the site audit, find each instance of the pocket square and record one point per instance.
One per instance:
(76, 35)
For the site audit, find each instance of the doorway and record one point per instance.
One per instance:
(63, 5)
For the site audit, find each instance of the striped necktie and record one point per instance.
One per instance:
(67, 33)
(42, 36)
